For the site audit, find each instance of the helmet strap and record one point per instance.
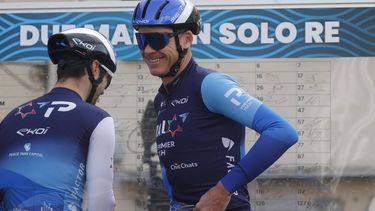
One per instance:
(181, 54)
(94, 82)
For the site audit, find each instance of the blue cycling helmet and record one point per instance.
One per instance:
(177, 14)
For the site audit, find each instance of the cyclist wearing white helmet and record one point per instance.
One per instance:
(52, 146)
(202, 115)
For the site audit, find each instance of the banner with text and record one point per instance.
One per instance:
(232, 34)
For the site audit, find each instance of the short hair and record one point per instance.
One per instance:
(71, 66)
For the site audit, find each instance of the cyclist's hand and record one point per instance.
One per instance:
(215, 199)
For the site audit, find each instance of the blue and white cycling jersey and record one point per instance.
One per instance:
(49, 148)
(201, 119)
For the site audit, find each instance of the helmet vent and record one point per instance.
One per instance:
(157, 15)
(145, 8)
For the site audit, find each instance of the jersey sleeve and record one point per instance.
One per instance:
(99, 179)
(221, 94)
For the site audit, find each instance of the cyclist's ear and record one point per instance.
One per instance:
(186, 39)
(95, 69)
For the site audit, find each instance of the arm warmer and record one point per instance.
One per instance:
(221, 94)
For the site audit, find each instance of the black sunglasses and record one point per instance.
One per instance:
(157, 40)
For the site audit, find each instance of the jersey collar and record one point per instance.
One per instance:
(169, 88)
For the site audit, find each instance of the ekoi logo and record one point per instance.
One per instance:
(79, 42)
(172, 126)
(32, 131)
(180, 101)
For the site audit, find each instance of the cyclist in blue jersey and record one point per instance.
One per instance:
(50, 147)
(202, 115)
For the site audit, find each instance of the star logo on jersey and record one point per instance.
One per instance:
(26, 110)
(173, 126)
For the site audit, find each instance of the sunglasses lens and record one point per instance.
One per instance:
(157, 41)
(141, 40)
